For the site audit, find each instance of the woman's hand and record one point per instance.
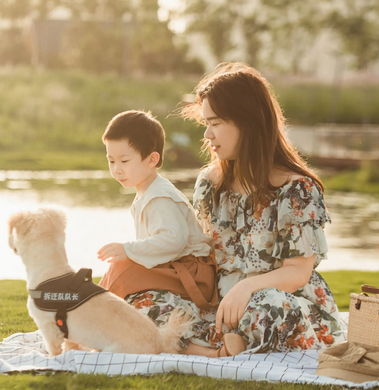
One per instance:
(233, 305)
(294, 274)
(113, 252)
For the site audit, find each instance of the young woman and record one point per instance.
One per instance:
(265, 210)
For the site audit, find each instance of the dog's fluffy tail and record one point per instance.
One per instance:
(180, 321)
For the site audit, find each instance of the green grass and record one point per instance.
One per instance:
(52, 160)
(342, 283)
(310, 104)
(14, 318)
(55, 119)
(69, 381)
(365, 179)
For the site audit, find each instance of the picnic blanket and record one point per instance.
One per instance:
(26, 352)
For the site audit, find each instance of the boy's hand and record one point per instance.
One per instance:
(112, 252)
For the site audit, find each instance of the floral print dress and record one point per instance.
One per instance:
(249, 243)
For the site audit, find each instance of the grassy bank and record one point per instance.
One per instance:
(54, 120)
(69, 381)
(365, 179)
(14, 318)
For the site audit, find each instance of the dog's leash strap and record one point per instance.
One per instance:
(83, 275)
(61, 320)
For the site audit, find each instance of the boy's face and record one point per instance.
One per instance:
(126, 164)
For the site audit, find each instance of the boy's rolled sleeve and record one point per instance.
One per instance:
(167, 234)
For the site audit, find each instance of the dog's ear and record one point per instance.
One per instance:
(21, 222)
(12, 243)
(57, 216)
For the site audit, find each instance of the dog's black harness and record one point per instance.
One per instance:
(65, 293)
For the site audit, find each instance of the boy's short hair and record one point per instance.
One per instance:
(144, 133)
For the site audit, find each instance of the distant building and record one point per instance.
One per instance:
(46, 38)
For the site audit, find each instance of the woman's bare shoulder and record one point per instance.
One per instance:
(212, 173)
(296, 176)
(280, 177)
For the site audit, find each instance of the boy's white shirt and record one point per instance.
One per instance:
(166, 227)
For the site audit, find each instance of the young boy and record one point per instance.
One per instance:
(165, 222)
(167, 230)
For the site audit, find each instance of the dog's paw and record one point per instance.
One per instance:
(69, 345)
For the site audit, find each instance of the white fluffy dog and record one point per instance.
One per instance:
(105, 322)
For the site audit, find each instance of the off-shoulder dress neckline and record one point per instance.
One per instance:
(280, 188)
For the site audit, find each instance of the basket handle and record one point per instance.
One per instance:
(370, 289)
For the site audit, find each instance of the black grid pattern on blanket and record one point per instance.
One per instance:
(25, 352)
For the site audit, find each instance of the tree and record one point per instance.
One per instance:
(14, 10)
(293, 27)
(94, 46)
(268, 26)
(215, 21)
(253, 29)
(13, 49)
(152, 45)
(97, 39)
(103, 10)
(357, 26)
(101, 41)
(41, 9)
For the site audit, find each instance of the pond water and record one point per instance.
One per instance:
(98, 212)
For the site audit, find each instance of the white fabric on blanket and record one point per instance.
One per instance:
(26, 351)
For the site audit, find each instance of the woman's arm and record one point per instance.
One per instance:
(294, 274)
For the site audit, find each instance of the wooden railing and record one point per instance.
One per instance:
(341, 144)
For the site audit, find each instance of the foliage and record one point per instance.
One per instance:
(42, 8)
(104, 10)
(13, 48)
(152, 46)
(357, 26)
(253, 29)
(370, 172)
(129, 37)
(81, 43)
(14, 10)
(55, 119)
(278, 34)
(306, 103)
(215, 21)
(365, 179)
(119, 36)
(141, 44)
(294, 26)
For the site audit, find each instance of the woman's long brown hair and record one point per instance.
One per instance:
(238, 93)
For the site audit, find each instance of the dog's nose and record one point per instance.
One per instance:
(15, 250)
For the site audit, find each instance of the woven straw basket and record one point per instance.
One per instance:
(364, 317)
